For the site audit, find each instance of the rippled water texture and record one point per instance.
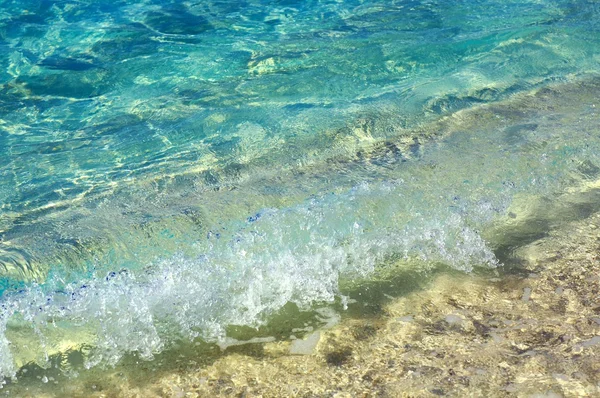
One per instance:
(170, 169)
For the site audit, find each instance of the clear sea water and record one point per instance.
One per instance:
(169, 170)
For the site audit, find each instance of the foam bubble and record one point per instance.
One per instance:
(299, 255)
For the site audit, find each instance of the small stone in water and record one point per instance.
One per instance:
(526, 294)
(453, 319)
(306, 346)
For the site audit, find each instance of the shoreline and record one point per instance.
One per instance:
(465, 336)
(535, 332)
(577, 200)
(469, 336)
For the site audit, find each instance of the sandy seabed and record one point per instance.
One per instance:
(531, 333)
(537, 334)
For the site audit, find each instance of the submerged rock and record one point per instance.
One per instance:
(67, 63)
(177, 22)
(306, 346)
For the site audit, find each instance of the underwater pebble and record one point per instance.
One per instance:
(306, 346)
(453, 319)
(559, 290)
(511, 388)
(526, 294)
(178, 392)
(589, 343)
(497, 338)
(560, 376)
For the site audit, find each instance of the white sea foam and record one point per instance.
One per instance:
(296, 255)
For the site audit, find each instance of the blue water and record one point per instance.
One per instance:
(169, 169)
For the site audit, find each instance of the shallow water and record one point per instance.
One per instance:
(172, 170)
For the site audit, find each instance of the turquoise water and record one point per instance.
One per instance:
(170, 169)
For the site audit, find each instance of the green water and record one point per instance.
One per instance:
(172, 169)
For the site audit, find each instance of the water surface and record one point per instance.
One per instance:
(172, 169)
